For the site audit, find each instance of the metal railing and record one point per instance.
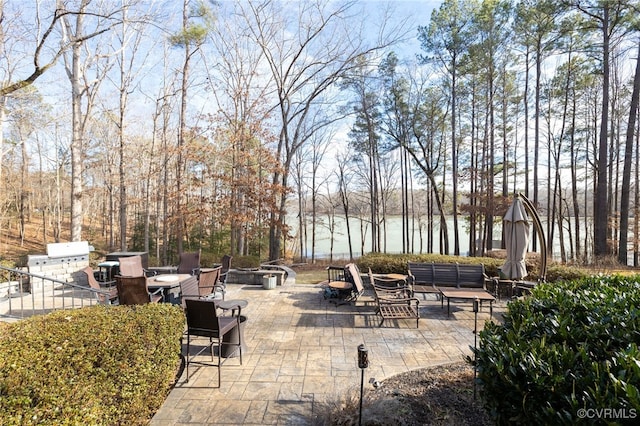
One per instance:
(23, 294)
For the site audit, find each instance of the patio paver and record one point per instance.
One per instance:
(302, 350)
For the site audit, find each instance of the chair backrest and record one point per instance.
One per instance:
(352, 271)
(189, 288)
(421, 273)
(94, 284)
(387, 282)
(131, 266)
(445, 275)
(189, 263)
(207, 280)
(471, 276)
(202, 317)
(226, 263)
(396, 288)
(132, 290)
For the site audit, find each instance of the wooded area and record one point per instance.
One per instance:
(242, 127)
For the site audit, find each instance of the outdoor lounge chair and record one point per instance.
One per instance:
(203, 321)
(134, 291)
(394, 302)
(105, 296)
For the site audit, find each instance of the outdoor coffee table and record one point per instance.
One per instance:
(340, 285)
(467, 294)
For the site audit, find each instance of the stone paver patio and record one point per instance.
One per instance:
(302, 351)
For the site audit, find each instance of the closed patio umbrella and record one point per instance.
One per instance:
(516, 239)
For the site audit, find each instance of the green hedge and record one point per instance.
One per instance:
(94, 365)
(572, 346)
(397, 264)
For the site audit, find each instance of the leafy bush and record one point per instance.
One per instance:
(94, 365)
(245, 262)
(570, 346)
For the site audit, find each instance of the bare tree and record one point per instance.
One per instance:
(129, 38)
(44, 43)
(240, 89)
(344, 183)
(88, 23)
(303, 68)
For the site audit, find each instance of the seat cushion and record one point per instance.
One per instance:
(227, 324)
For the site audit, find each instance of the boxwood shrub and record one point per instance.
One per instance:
(382, 263)
(564, 353)
(94, 365)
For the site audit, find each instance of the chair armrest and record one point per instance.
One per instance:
(107, 284)
(101, 291)
(149, 273)
(229, 305)
(159, 291)
(486, 278)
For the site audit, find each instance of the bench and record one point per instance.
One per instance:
(394, 302)
(451, 281)
(422, 276)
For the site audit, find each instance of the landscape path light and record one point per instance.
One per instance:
(363, 363)
(476, 308)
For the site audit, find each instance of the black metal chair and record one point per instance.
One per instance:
(203, 321)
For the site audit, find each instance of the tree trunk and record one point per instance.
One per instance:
(76, 139)
(600, 217)
(626, 173)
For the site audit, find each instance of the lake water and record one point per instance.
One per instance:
(393, 239)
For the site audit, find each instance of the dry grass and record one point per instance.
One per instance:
(312, 273)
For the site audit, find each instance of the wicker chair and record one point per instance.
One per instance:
(226, 265)
(105, 296)
(208, 284)
(131, 266)
(189, 263)
(203, 321)
(134, 291)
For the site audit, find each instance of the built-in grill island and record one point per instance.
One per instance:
(63, 262)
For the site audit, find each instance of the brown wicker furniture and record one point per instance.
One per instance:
(134, 291)
(203, 321)
(107, 295)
